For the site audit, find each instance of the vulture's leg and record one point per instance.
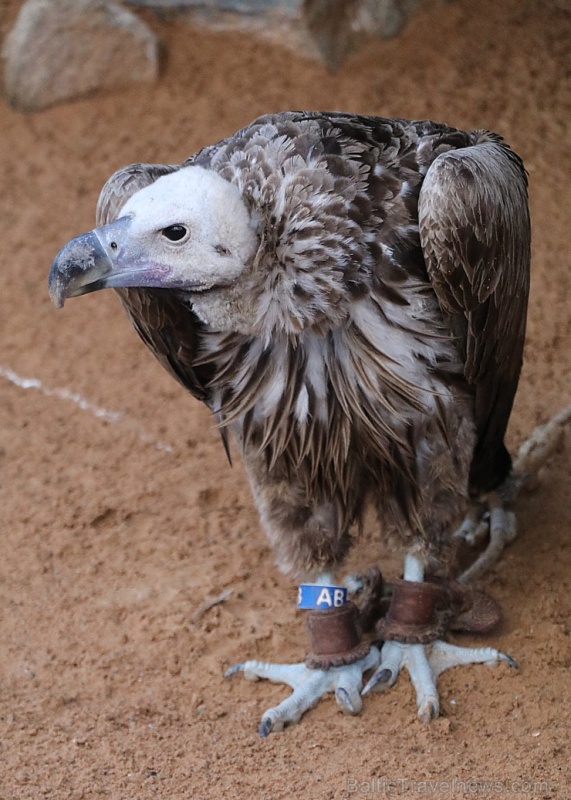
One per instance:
(309, 685)
(425, 662)
(492, 518)
(310, 540)
(493, 515)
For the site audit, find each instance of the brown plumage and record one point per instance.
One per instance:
(369, 348)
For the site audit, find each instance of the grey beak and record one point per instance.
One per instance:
(86, 263)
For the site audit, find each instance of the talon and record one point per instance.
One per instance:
(380, 676)
(344, 701)
(266, 727)
(511, 662)
(386, 676)
(234, 669)
(429, 712)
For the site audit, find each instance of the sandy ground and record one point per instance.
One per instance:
(121, 517)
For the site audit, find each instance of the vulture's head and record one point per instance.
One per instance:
(189, 231)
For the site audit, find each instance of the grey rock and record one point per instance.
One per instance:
(326, 29)
(243, 6)
(64, 49)
(341, 26)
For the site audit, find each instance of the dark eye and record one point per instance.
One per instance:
(175, 233)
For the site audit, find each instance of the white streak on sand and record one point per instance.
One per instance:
(74, 397)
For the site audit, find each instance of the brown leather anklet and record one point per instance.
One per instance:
(335, 637)
(422, 612)
(419, 613)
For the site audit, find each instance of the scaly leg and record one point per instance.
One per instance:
(492, 515)
(309, 685)
(425, 663)
(499, 523)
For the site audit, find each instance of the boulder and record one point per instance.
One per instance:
(64, 49)
(326, 29)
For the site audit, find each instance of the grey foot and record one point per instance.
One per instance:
(424, 664)
(309, 686)
(487, 519)
(492, 516)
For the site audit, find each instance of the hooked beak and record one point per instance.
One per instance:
(100, 259)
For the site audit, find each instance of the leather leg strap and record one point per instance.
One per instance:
(335, 637)
(419, 613)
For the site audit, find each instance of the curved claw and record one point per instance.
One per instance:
(348, 701)
(234, 669)
(511, 662)
(266, 727)
(428, 712)
(381, 676)
(392, 659)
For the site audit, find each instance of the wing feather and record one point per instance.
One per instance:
(475, 235)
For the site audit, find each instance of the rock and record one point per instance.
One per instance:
(341, 26)
(64, 49)
(326, 29)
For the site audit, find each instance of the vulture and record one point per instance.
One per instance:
(348, 296)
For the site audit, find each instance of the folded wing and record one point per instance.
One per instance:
(475, 236)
